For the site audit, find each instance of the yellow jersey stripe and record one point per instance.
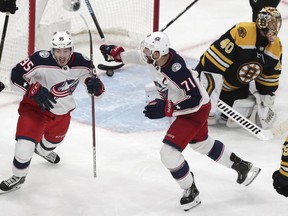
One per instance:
(220, 55)
(215, 62)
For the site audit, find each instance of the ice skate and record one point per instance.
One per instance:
(246, 171)
(52, 157)
(11, 184)
(190, 198)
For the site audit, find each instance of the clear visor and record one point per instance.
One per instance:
(272, 29)
(269, 24)
(274, 26)
(146, 53)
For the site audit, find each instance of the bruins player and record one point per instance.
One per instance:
(247, 52)
(280, 177)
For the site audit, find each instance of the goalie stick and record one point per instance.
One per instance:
(92, 101)
(110, 68)
(252, 128)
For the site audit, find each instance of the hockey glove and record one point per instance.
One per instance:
(111, 52)
(95, 86)
(159, 108)
(2, 86)
(8, 6)
(280, 183)
(41, 96)
(263, 114)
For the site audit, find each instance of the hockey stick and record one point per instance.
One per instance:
(180, 14)
(90, 9)
(4, 34)
(92, 100)
(252, 128)
(108, 67)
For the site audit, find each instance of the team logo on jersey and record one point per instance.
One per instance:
(249, 71)
(44, 54)
(242, 32)
(65, 88)
(176, 66)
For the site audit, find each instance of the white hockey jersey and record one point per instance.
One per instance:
(174, 81)
(60, 81)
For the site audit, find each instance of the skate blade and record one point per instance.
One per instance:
(13, 189)
(253, 173)
(193, 204)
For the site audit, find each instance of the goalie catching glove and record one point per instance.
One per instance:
(8, 6)
(111, 52)
(263, 113)
(95, 86)
(41, 96)
(159, 108)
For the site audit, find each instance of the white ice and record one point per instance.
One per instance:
(131, 179)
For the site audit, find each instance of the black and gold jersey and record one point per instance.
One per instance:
(240, 58)
(284, 159)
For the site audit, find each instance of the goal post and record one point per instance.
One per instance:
(124, 22)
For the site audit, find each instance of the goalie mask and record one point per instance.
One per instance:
(155, 42)
(62, 47)
(269, 22)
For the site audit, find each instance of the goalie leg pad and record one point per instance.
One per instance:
(213, 84)
(263, 114)
(175, 162)
(244, 107)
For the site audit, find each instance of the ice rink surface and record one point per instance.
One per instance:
(131, 179)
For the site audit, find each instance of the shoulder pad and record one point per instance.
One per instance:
(244, 34)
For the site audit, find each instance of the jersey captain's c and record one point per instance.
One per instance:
(60, 81)
(175, 82)
(241, 57)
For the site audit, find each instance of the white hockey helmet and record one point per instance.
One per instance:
(157, 41)
(62, 40)
(269, 19)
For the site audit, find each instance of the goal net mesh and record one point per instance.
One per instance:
(124, 22)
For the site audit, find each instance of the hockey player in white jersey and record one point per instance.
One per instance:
(48, 80)
(180, 96)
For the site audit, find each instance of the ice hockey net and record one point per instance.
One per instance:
(124, 22)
